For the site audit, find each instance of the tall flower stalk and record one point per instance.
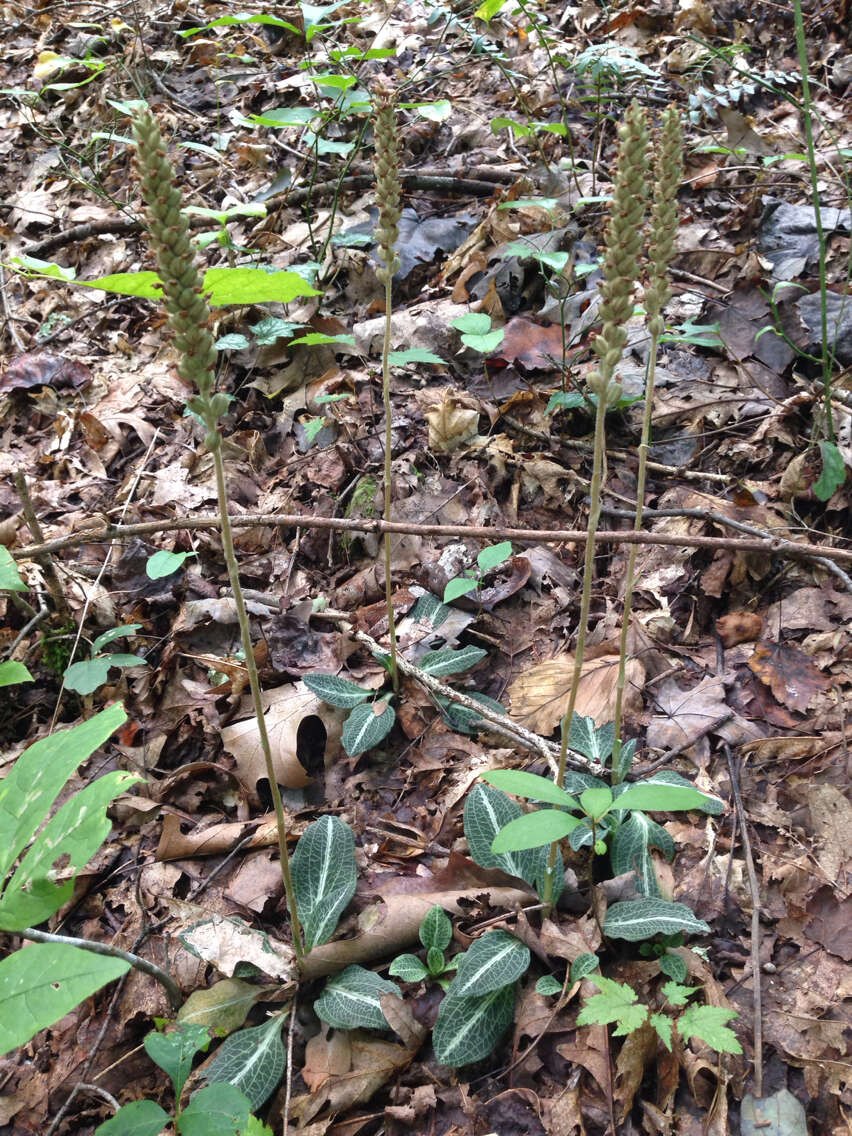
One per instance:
(388, 195)
(189, 318)
(668, 170)
(623, 241)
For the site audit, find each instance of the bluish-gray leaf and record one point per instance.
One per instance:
(637, 919)
(253, 1060)
(468, 1029)
(366, 726)
(494, 960)
(324, 877)
(352, 1000)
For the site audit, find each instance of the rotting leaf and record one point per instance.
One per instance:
(789, 673)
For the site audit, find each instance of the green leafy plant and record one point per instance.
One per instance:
(324, 877)
(221, 1108)
(372, 715)
(165, 563)
(220, 235)
(436, 932)
(477, 333)
(42, 982)
(86, 676)
(487, 560)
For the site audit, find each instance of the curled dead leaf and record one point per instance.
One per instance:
(739, 627)
(452, 422)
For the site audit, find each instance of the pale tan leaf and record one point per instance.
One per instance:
(539, 697)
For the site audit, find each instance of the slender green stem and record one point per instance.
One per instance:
(256, 695)
(827, 353)
(388, 472)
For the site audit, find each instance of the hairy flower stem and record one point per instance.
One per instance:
(189, 315)
(621, 269)
(669, 167)
(388, 193)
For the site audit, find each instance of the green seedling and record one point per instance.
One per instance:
(487, 560)
(671, 964)
(222, 1106)
(222, 217)
(477, 333)
(42, 982)
(85, 677)
(11, 671)
(436, 932)
(165, 563)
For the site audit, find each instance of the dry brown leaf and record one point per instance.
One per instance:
(326, 1057)
(685, 713)
(634, 1057)
(539, 697)
(739, 627)
(789, 673)
(451, 423)
(287, 708)
(400, 1017)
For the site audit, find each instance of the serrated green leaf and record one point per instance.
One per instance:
(637, 919)
(70, 839)
(409, 968)
(138, 1118)
(436, 930)
(41, 983)
(678, 995)
(174, 1052)
(674, 966)
(460, 586)
(10, 577)
(833, 472)
(530, 786)
(663, 1026)
(85, 677)
(325, 876)
(12, 672)
(448, 661)
(336, 691)
(660, 797)
(467, 1029)
(494, 960)
(616, 1002)
(708, 1024)
(534, 830)
(352, 999)
(494, 556)
(215, 1110)
(252, 1060)
(584, 965)
(630, 847)
(366, 726)
(547, 986)
(29, 790)
(164, 563)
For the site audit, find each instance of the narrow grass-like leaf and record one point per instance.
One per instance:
(324, 877)
(467, 1029)
(533, 830)
(447, 661)
(41, 983)
(352, 999)
(494, 960)
(366, 726)
(336, 691)
(253, 1060)
(637, 919)
(529, 785)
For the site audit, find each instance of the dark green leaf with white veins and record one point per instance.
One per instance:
(252, 1059)
(436, 930)
(594, 744)
(490, 962)
(352, 1000)
(638, 919)
(447, 661)
(409, 968)
(366, 726)
(630, 847)
(486, 811)
(467, 1029)
(336, 691)
(324, 877)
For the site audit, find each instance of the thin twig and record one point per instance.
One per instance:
(288, 1086)
(51, 576)
(775, 545)
(755, 927)
(166, 981)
